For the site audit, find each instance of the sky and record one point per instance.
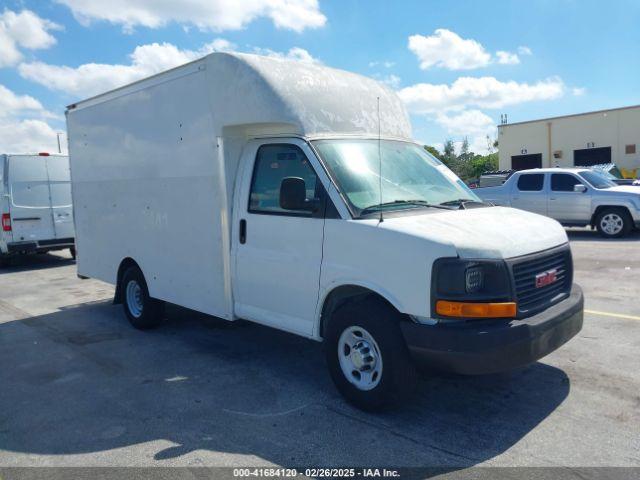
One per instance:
(456, 64)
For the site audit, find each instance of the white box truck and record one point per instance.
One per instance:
(35, 203)
(292, 195)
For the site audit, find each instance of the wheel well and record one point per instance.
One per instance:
(341, 296)
(124, 266)
(600, 208)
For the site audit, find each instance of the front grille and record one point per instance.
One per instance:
(531, 298)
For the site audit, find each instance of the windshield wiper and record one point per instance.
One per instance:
(418, 203)
(462, 202)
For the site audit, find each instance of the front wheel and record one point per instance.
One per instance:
(614, 223)
(367, 356)
(142, 311)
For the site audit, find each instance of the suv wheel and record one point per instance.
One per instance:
(613, 222)
(142, 311)
(367, 356)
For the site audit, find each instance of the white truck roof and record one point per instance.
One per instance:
(300, 98)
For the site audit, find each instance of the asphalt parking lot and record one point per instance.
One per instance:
(80, 387)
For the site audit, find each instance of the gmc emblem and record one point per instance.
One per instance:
(546, 278)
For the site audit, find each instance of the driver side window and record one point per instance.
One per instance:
(563, 182)
(274, 162)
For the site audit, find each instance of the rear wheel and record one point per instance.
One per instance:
(142, 311)
(614, 222)
(367, 356)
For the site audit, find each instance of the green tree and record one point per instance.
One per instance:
(464, 149)
(433, 151)
(467, 165)
(449, 154)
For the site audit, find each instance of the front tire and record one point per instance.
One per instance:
(142, 311)
(367, 355)
(614, 223)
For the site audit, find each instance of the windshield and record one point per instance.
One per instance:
(411, 177)
(597, 179)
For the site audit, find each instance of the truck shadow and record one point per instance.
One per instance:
(23, 263)
(588, 235)
(80, 380)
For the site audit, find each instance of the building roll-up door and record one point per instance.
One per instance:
(591, 156)
(524, 162)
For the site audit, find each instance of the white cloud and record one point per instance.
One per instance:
(22, 136)
(467, 123)
(385, 64)
(93, 78)
(507, 58)
(471, 124)
(447, 49)
(392, 81)
(13, 105)
(522, 50)
(578, 91)
(216, 15)
(23, 30)
(221, 45)
(483, 92)
(295, 53)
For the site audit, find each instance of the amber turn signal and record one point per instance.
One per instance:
(476, 310)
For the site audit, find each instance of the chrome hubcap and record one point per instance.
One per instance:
(360, 358)
(133, 296)
(612, 223)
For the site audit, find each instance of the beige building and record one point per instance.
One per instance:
(606, 136)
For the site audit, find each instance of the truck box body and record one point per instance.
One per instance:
(35, 200)
(154, 163)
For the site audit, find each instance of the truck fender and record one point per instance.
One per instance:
(336, 294)
(601, 206)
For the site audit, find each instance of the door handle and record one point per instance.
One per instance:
(243, 231)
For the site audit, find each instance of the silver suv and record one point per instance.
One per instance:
(573, 196)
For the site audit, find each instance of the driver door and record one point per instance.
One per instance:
(566, 205)
(278, 252)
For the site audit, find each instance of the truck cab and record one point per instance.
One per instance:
(35, 199)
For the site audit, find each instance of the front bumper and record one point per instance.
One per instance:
(480, 347)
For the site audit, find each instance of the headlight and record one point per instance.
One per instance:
(474, 278)
(457, 284)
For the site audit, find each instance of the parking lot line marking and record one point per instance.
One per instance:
(609, 314)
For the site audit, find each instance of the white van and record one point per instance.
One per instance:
(35, 201)
(292, 195)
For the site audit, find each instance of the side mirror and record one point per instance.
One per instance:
(293, 194)
(579, 188)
